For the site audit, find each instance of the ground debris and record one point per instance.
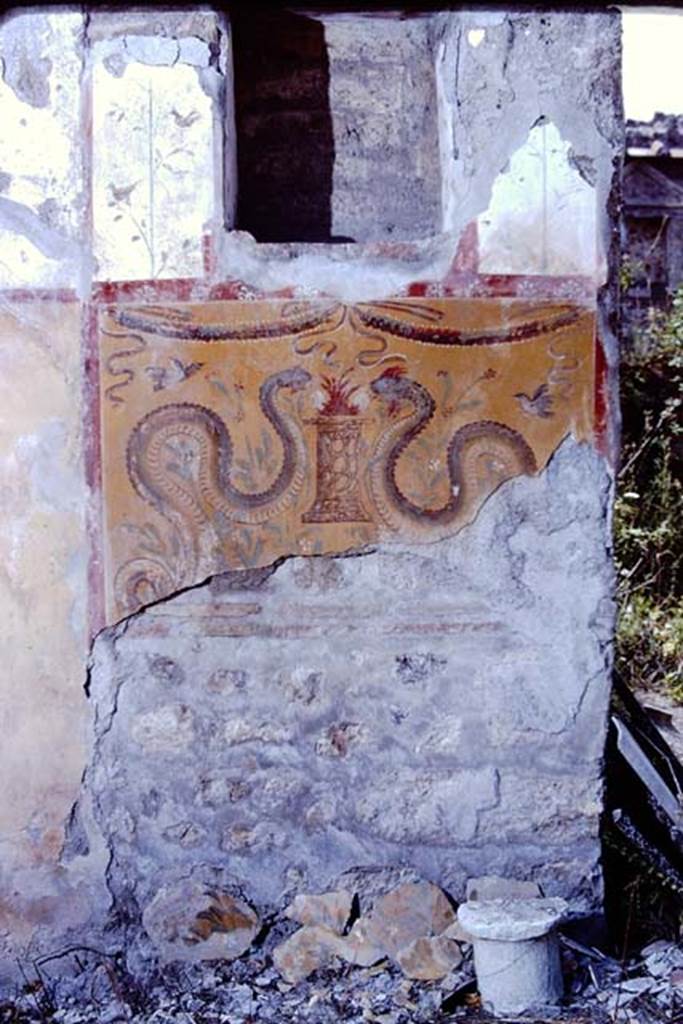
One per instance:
(599, 989)
(647, 989)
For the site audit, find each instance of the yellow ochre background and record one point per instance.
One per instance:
(141, 370)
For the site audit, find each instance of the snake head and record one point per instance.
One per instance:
(295, 378)
(390, 384)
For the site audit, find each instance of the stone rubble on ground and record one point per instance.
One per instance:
(429, 958)
(406, 925)
(648, 989)
(414, 971)
(331, 910)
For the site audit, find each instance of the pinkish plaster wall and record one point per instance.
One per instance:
(43, 560)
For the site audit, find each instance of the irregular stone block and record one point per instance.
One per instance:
(241, 731)
(190, 921)
(360, 948)
(304, 952)
(410, 912)
(427, 959)
(330, 910)
(314, 946)
(495, 887)
(169, 727)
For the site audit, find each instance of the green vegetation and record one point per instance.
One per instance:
(648, 523)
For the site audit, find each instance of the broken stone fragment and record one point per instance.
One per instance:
(305, 951)
(360, 948)
(313, 946)
(191, 921)
(456, 932)
(411, 911)
(330, 910)
(407, 924)
(495, 887)
(427, 959)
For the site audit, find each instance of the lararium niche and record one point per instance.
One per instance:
(347, 438)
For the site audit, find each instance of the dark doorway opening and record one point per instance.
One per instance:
(285, 141)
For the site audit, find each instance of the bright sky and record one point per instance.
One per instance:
(653, 62)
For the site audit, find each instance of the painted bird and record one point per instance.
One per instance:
(166, 376)
(122, 194)
(185, 120)
(539, 404)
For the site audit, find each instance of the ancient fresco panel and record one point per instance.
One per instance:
(234, 433)
(153, 178)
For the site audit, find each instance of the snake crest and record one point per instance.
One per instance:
(481, 455)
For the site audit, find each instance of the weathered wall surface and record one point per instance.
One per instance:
(46, 456)
(562, 67)
(440, 707)
(43, 547)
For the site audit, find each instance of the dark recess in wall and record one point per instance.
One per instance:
(285, 142)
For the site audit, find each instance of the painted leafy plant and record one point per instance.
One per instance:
(339, 394)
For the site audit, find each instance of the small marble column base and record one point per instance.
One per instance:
(516, 952)
(517, 976)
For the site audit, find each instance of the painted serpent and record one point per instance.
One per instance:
(179, 460)
(481, 455)
(180, 457)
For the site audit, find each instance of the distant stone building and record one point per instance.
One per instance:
(653, 214)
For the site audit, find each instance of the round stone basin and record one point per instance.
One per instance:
(511, 920)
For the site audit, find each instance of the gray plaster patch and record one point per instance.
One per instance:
(148, 49)
(23, 220)
(22, 66)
